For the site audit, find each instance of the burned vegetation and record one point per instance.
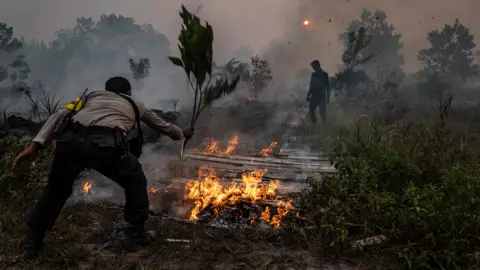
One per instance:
(390, 181)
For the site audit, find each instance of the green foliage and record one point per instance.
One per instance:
(414, 183)
(141, 69)
(222, 87)
(195, 45)
(27, 181)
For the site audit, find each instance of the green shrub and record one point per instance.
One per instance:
(23, 184)
(415, 184)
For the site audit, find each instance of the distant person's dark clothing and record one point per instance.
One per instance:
(318, 95)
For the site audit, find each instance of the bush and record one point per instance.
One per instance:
(414, 183)
(23, 185)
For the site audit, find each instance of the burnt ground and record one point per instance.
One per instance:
(82, 230)
(80, 237)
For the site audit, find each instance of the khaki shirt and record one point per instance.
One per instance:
(107, 109)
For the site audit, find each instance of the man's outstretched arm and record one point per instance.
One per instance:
(151, 119)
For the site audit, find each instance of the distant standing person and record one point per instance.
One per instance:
(318, 92)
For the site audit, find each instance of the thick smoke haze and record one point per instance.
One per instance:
(252, 23)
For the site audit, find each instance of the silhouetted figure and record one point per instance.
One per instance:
(318, 92)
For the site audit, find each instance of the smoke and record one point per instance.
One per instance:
(299, 45)
(272, 29)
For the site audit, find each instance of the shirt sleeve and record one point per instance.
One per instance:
(45, 134)
(151, 119)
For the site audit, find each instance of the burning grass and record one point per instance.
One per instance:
(268, 151)
(212, 146)
(212, 199)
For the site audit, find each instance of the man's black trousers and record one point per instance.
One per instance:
(322, 104)
(75, 152)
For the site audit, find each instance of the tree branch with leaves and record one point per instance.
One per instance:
(196, 55)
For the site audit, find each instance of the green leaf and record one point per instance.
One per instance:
(176, 61)
(267, 262)
(222, 87)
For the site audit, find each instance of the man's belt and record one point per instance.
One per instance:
(94, 130)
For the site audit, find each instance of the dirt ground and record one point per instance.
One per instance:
(82, 230)
(81, 238)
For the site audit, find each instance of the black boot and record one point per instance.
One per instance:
(32, 244)
(137, 238)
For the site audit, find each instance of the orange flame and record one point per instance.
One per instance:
(232, 145)
(269, 150)
(212, 146)
(207, 191)
(306, 22)
(86, 186)
(153, 190)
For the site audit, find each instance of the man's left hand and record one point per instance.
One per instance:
(27, 155)
(188, 133)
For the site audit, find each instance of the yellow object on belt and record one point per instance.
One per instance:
(77, 104)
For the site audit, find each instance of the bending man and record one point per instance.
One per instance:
(95, 138)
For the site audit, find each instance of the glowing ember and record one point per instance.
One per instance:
(153, 190)
(306, 22)
(212, 146)
(86, 186)
(269, 150)
(208, 192)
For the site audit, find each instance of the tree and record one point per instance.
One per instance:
(13, 65)
(141, 69)
(232, 69)
(353, 57)
(94, 49)
(385, 43)
(196, 53)
(261, 75)
(451, 53)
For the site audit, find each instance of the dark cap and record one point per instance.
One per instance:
(315, 63)
(118, 85)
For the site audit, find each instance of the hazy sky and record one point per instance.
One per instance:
(250, 22)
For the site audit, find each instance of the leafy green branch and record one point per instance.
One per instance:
(196, 54)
